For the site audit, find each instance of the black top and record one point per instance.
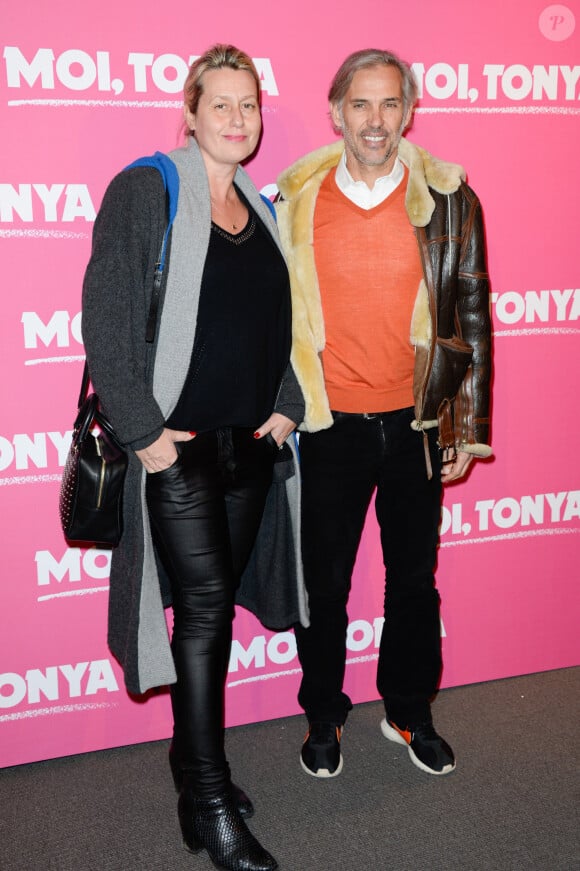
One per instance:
(243, 333)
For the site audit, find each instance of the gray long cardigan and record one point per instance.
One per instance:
(139, 385)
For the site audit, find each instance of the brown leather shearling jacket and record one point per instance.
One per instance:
(455, 368)
(450, 327)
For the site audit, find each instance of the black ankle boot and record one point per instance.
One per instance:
(216, 825)
(243, 802)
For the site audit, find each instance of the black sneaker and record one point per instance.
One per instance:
(320, 755)
(427, 749)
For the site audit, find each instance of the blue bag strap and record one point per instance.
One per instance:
(270, 205)
(168, 171)
(170, 177)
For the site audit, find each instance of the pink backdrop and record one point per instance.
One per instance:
(83, 95)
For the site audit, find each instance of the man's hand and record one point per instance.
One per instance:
(455, 468)
(161, 453)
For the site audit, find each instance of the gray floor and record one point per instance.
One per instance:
(512, 803)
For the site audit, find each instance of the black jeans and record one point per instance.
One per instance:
(341, 467)
(205, 511)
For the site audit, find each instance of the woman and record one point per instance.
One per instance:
(204, 410)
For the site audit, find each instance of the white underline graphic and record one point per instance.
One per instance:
(59, 709)
(259, 677)
(29, 479)
(68, 593)
(424, 110)
(509, 536)
(539, 331)
(42, 234)
(498, 110)
(68, 359)
(116, 104)
(356, 660)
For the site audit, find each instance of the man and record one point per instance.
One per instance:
(391, 306)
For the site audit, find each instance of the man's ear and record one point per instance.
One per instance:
(408, 119)
(335, 115)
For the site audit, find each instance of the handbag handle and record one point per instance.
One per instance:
(86, 380)
(151, 327)
(86, 413)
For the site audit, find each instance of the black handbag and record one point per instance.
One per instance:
(91, 490)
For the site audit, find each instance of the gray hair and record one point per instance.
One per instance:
(362, 60)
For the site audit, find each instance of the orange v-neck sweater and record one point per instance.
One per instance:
(369, 270)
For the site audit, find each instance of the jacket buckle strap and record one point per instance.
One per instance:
(446, 439)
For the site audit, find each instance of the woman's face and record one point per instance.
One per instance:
(227, 122)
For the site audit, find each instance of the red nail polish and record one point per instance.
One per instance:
(256, 435)
(192, 432)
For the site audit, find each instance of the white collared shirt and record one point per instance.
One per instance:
(359, 192)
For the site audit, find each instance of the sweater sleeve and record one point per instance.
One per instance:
(290, 401)
(116, 295)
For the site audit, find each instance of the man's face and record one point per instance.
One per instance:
(372, 120)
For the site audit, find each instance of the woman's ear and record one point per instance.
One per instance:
(189, 117)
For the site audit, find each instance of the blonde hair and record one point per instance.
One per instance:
(217, 57)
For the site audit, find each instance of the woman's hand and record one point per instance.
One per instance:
(161, 453)
(278, 426)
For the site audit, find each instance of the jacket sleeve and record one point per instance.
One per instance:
(290, 401)
(473, 311)
(116, 295)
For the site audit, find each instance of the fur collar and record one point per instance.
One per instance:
(425, 171)
(299, 186)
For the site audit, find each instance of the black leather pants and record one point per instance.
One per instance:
(205, 511)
